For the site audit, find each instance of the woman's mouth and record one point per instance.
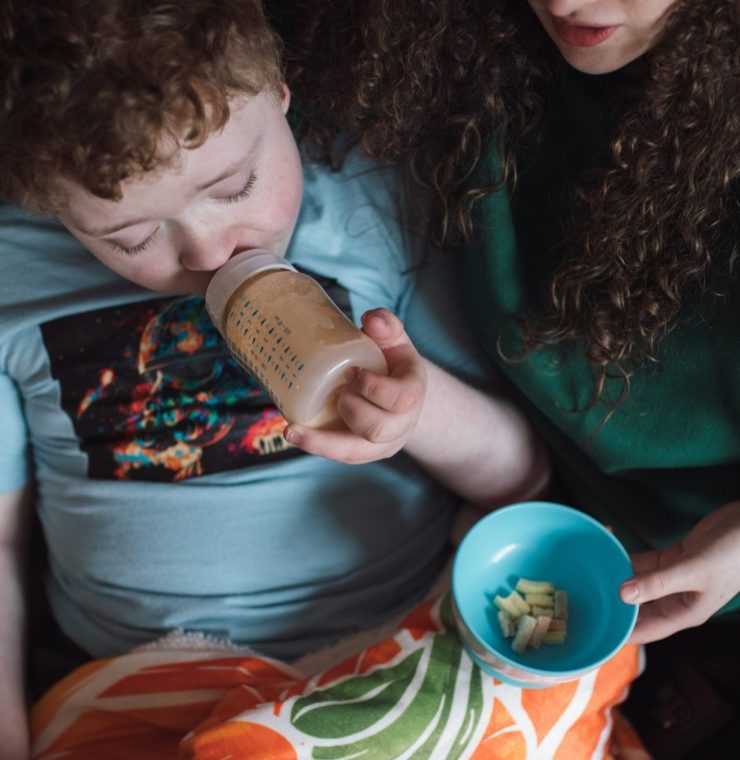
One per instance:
(581, 36)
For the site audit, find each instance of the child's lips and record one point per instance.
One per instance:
(581, 36)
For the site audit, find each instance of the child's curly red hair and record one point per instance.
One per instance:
(90, 90)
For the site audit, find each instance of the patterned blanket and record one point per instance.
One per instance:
(415, 694)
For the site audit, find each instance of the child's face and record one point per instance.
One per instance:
(174, 227)
(598, 36)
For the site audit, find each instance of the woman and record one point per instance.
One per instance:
(587, 153)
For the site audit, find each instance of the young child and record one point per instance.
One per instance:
(155, 134)
(598, 145)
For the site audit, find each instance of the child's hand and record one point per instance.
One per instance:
(685, 584)
(380, 412)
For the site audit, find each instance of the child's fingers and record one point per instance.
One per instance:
(405, 386)
(338, 445)
(399, 393)
(383, 327)
(378, 410)
(387, 331)
(368, 421)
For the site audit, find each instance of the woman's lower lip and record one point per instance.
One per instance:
(581, 36)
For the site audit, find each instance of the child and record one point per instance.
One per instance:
(600, 278)
(156, 134)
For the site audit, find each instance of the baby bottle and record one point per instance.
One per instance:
(282, 327)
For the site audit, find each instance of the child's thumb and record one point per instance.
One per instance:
(384, 328)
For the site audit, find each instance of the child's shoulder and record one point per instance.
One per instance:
(45, 272)
(350, 229)
(361, 183)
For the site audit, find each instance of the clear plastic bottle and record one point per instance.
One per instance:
(282, 327)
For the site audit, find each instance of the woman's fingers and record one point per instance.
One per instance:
(657, 573)
(666, 616)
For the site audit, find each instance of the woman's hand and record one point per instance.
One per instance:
(684, 585)
(380, 412)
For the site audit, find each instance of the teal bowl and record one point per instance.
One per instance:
(548, 542)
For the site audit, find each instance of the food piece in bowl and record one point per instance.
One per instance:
(561, 605)
(525, 629)
(506, 621)
(506, 605)
(542, 611)
(554, 637)
(513, 604)
(540, 630)
(539, 600)
(540, 617)
(526, 586)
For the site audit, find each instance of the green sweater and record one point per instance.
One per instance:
(670, 453)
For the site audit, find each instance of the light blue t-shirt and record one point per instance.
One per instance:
(167, 495)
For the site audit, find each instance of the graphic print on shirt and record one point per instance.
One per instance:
(154, 394)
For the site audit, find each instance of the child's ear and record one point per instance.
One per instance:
(285, 100)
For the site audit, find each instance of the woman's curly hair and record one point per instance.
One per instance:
(90, 89)
(433, 83)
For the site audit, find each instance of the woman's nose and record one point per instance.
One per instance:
(565, 8)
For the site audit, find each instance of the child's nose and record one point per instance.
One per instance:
(205, 251)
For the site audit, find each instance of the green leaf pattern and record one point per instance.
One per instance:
(431, 701)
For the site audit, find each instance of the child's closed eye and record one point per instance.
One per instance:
(244, 192)
(134, 249)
